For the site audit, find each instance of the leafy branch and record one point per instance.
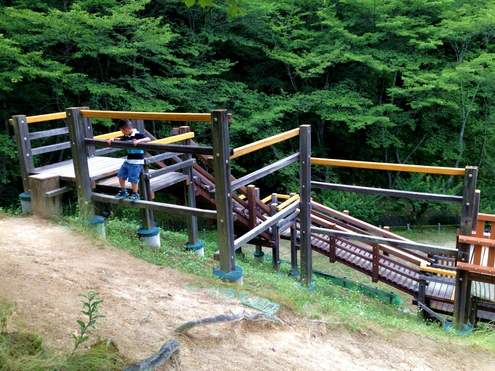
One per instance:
(91, 305)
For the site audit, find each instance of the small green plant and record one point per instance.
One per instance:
(6, 311)
(92, 304)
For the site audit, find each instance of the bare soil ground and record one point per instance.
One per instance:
(43, 267)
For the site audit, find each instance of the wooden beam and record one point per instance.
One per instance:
(223, 199)
(156, 206)
(305, 202)
(24, 151)
(175, 138)
(258, 174)
(387, 241)
(158, 116)
(251, 147)
(387, 166)
(150, 146)
(47, 117)
(476, 268)
(387, 192)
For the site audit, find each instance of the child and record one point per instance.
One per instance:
(131, 168)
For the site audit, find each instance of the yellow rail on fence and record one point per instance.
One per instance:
(288, 202)
(175, 138)
(160, 116)
(251, 147)
(386, 166)
(41, 118)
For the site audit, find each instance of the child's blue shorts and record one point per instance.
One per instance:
(130, 172)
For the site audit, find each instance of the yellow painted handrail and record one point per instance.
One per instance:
(106, 136)
(385, 166)
(444, 272)
(248, 148)
(160, 116)
(41, 118)
(175, 138)
(288, 202)
(268, 198)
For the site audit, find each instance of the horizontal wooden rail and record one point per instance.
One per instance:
(152, 147)
(258, 174)
(156, 206)
(175, 138)
(281, 196)
(158, 116)
(264, 226)
(113, 134)
(388, 192)
(477, 241)
(41, 118)
(476, 268)
(486, 217)
(387, 241)
(386, 166)
(287, 202)
(169, 169)
(248, 148)
(444, 272)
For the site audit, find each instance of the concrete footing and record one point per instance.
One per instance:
(235, 276)
(150, 236)
(98, 225)
(198, 247)
(26, 205)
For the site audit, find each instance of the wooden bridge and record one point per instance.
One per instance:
(455, 281)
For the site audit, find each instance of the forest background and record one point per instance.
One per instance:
(399, 81)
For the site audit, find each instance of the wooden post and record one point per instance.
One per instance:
(76, 125)
(294, 271)
(375, 262)
(462, 283)
(305, 214)
(190, 198)
(43, 205)
(24, 152)
(252, 195)
(223, 197)
(275, 239)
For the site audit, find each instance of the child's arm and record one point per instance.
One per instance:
(141, 140)
(111, 140)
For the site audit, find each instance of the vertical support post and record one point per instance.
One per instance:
(305, 214)
(223, 196)
(193, 242)
(294, 271)
(251, 199)
(422, 296)
(275, 239)
(76, 125)
(25, 157)
(462, 283)
(375, 262)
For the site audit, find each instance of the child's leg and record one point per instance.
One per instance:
(122, 183)
(134, 187)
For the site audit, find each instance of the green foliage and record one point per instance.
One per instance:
(92, 307)
(361, 206)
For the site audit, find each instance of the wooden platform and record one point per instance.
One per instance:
(99, 167)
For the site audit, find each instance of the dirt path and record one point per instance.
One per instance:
(43, 267)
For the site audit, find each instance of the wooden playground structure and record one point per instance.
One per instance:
(457, 281)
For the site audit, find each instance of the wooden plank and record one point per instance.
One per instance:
(394, 243)
(157, 116)
(305, 202)
(387, 166)
(43, 206)
(221, 165)
(156, 206)
(462, 287)
(113, 134)
(486, 217)
(24, 152)
(50, 148)
(251, 147)
(150, 146)
(175, 138)
(80, 158)
(388, 192)
(258, 174)
(47, 117)
(49, 133)
(476, 268)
